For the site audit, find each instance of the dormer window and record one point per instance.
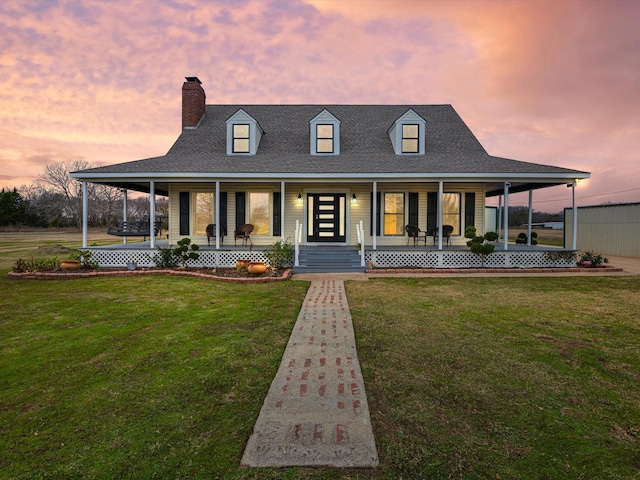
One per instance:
(243, 134)
(407, 134)
(410, 137)
(324, 140)
(241, 138)
(325, 134)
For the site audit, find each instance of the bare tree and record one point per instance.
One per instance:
(103, 200)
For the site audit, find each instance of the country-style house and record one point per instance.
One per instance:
(326, 175)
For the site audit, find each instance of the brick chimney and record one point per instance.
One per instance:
(193, 102)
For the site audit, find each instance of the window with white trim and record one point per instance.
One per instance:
(202, 212)
(394, 213)
(259, 213)
(451, 211)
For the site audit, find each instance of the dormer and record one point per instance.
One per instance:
(407, 134)
(243, 134)
(325, 134)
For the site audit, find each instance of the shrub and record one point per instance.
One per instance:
(470, 232)
(592, 259)
(164, 258)
(280, 254)
(186, 251)
(491, 236)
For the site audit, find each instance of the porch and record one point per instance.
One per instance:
(454, 257)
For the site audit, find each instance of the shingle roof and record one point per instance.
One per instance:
(365, 147)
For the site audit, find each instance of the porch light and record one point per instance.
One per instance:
(299, 199)
(354, 199)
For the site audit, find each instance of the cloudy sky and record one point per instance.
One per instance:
(554, 82)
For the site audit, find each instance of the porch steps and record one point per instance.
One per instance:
(328, 260)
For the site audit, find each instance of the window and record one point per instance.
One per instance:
(324, 138)
(324, 131)
(259, 213)
(393, 213)
(202, 212)
(240, 138)
(410, 136)
(451, 211)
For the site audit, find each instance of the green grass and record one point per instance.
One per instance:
(136, 378)
(163, 377)
(502, 378)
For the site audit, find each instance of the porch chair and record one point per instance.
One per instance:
(447, 230)
(414, 232)
(243, 233)
(211, 233)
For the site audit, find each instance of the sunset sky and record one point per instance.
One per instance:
(554, 82)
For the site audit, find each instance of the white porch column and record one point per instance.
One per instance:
(499, 218)
(530, 217)
(440, 199)
(506, 215)
(124, 211)
(216, 214)
(85, 214)
(152, 213)
(282, 213)
(374, 213)
(574, 232)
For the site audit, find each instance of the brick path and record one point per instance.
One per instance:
(316, 411)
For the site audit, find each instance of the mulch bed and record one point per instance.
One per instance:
(219, 274)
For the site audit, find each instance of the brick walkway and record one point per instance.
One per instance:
(316, 411)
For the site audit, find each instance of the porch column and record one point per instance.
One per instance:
(124, 212)
(85, 214)
(574, 233)
(282, 212)
(499, 218)
(216, 214)
(530, 217)
(440, 198)
(152, 213)
(374, 213)
(506, 215)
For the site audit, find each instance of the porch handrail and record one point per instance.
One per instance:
(360, 231)
(297, 239)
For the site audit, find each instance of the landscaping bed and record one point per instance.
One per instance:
(220, 274)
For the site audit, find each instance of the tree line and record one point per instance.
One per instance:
(55, 200)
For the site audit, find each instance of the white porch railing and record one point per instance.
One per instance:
(360, 232)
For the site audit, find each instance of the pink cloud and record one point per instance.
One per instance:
(547, 82)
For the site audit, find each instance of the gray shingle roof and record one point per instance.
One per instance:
(365, 147)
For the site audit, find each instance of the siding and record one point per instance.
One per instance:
(606, 229)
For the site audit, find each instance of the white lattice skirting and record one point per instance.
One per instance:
(466, 259)
(144, 258)
(379, 258)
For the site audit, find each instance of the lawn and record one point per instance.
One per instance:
(154, 377)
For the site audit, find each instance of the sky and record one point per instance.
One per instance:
(553, 82)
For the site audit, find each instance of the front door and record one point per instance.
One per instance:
(326, 217)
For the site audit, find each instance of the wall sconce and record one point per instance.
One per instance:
(354, 199)
(299, 199)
